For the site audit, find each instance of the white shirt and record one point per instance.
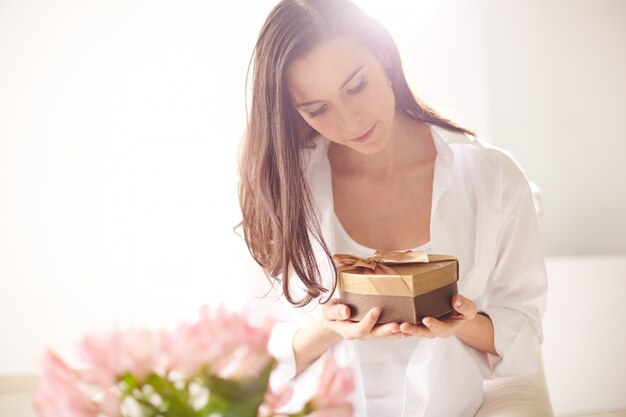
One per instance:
(482, 212)
(383, 374)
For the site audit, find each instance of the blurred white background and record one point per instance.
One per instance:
(120, 122)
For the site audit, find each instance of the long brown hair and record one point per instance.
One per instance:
(279, 220)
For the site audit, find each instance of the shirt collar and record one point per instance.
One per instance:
(443, 138)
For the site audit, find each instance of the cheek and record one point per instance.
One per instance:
(321, 124)
(378, 100)
(314, 123)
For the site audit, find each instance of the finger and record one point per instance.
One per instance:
(385, 330)
(334, 310)
(415, 330)
(437, 327)
(367, 323)
(398, 335)
(464, 306)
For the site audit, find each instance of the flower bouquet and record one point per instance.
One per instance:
(217, 366)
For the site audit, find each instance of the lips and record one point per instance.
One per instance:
(365, 136)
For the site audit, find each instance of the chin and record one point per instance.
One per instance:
(374, 145)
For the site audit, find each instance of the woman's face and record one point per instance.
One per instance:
(342, 91)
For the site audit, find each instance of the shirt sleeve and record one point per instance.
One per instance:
(515, 296)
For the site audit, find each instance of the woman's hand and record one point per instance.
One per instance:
(310, 342)
(335, 317)
(464, 311)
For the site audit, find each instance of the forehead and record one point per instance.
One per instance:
(326, 67)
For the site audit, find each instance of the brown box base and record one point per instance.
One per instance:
(401, 309)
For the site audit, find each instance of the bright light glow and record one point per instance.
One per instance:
(441, 48)
(402, 17)
(119, 127)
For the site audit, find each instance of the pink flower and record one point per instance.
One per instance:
(102, 354)
(274, 400)
(249, 364)
(111, 404)
(224, 343)
(247, 344)
(60, 392)
(112, 355)
(219, 344)
(336, 384)
(140, 352)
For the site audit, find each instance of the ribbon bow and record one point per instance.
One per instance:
(378, 264)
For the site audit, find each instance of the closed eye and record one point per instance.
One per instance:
(316, 112)
(351, 91)
(359, 87)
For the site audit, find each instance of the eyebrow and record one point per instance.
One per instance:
(350, 77)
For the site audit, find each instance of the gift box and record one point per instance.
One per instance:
(408, 286)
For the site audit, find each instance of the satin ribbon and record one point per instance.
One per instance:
(379, 263)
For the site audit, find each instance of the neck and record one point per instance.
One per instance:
(410, 144)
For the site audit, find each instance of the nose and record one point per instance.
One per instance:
(349, 119)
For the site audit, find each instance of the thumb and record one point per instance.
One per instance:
(464, 306)
(334, 310)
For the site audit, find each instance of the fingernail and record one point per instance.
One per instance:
(343, 313)
(426, 323)
(375, 314)
(458, 303)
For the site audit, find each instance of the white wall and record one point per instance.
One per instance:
(557, 100)
(584, 338)
(119, 123)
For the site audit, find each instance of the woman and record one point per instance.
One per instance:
(341, 157)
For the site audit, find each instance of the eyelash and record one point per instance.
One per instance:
(358, 87)
(317, 112)
(355, 90)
